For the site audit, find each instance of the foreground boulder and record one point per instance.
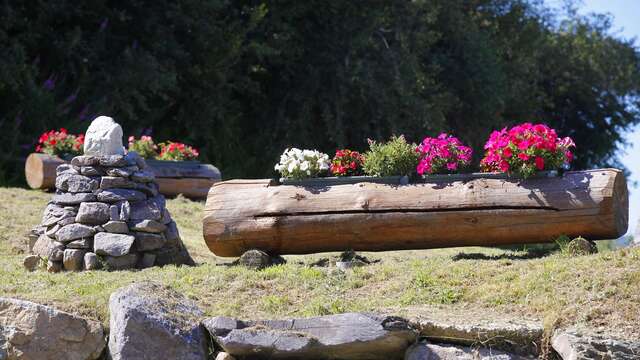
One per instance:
(427, 351)
(342, 336)
(572, 344)
(151, 321)
(32, 331)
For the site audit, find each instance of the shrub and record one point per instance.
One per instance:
(441, 155)
(175, 151)
(144, 146)
(60, 143)
(299, 164)
(347, 163)
(525, 149)
(395, 157)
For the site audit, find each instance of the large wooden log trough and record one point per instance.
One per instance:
(285, 219)
(191, 179)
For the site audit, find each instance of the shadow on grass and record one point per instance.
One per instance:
(515, 253)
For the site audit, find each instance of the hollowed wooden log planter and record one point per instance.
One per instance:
(190, 178)
(286, 219)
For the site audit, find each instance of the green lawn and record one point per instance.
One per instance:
(601, 291)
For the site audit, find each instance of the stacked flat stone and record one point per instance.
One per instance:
(107, 212)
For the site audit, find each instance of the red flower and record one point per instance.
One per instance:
(539, 163)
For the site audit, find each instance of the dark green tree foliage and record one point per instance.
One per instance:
(242, 80)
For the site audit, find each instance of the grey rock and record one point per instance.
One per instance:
(112, 160)
(134, 159)
(73, 259)
(52, 230)
(149, 241)
(114, 213)
(151, 321)
(51, 214)
(255, 259)
(116, 227)
(143, 176)
(147, 260)
(166, 217)
(145, 210)
(426, 351)
(105, 243)
(76, 183)
(98, 228)
(516, 336)
(65, 169)
(150, 226)
(572, 344)
(123, 262)
(110, 182)
(55, 251)
(72, 199)
(33, 236)
(34, 331)
(41, 246)
(31, 262)
(54, 266)
(341, 336)
(91, 261)
(73, 232)
(103, 137)
(92, 171)
(117, 195)
(150, 189)
(84, 160)
(86, 243)
(124, 172)
(581, 246)
(124, 210)
(160, 202)
(67, 221)
(93, 213)
(172, 234)
(173, 255)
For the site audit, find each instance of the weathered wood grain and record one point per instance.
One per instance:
(241, 215)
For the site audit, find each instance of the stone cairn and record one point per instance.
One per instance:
(107, 212)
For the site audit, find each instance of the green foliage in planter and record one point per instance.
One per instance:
(395, 157)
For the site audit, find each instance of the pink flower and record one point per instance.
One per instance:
(523, 156)
(452, 166)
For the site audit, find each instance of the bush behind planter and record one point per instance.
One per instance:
(242, 80)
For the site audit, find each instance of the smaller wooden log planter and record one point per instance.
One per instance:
(190, 178)
(465, 210)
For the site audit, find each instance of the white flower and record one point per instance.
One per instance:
(296, 163)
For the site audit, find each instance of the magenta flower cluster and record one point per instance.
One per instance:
(525, 149)
(441, 155)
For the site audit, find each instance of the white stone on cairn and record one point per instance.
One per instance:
(103, 137)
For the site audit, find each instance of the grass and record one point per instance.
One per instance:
(600, 291)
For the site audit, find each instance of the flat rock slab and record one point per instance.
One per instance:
(112, 244)
(342, 336)
(117, 195)
(572, 344)
(73, 232)
(33, 331)
(151, 321)
(72, 199)
(497, 331)
(145, 210)
(76, 183)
